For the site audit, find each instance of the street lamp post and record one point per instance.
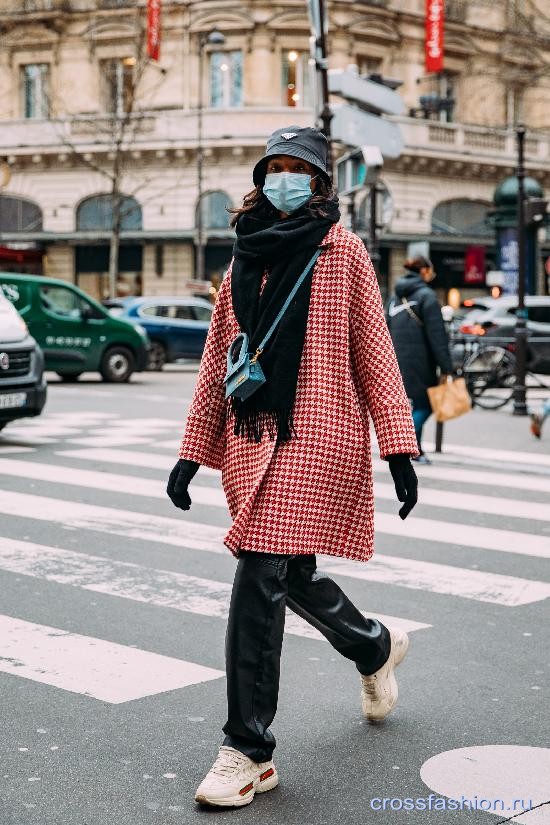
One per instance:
(520, 394)
(318, 18)
(214, 38)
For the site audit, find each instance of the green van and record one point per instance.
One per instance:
(76, 333)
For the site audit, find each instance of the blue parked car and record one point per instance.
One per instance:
(177, 326)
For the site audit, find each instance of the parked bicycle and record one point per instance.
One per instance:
(489, 369)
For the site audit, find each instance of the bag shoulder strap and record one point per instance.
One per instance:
(286, 304)
(411, 312)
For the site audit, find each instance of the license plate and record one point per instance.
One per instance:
(13, 399)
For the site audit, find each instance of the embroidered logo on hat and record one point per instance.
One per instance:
(289, 135)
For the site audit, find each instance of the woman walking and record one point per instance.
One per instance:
(420, 339)
(295, 454)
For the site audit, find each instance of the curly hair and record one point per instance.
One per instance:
(256, 203)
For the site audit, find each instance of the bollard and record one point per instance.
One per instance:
(439, 437)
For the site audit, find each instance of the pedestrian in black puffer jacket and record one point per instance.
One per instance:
(419, 337)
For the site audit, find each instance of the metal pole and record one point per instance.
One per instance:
(439, 437)
(373, 227)
(200, 240)
(351, 212)
(322, 66)
(520, 390)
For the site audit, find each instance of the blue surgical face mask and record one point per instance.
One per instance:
(287, 191)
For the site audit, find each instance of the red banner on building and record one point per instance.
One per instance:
(435, 32)
(153, 29)
(474, 266)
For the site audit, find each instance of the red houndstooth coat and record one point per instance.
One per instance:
(313, 494)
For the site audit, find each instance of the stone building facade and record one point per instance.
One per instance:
(68, 66)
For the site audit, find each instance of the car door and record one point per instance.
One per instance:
(69, 339)
(189, 332)
(203, 316)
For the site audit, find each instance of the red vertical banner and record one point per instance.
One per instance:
(474, 265)
(153, 29)
(435, 34)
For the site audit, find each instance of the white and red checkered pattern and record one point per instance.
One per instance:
(313, 494)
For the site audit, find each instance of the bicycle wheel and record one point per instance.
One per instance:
(490, 377)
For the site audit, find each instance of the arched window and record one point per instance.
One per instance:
(96, 213)
(461, 217)
(19, 215)
(214, 207)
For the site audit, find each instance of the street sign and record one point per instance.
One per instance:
(375, 97)
(354, 127)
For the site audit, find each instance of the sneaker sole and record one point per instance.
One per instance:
(398, 657)
(238, 801)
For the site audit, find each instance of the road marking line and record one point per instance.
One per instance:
(455, 534)
(516, 481)
(508, 781)
(215, 497)
(104, 670)
(469, 477)
(478, 585)
(173, 445)
(4, 450)
(513, 456)
(179, 530)
(133, 459)
(507, 591)
(136, 458)
(108, 440)
(129, 523)
(162, 588)
(79, 416)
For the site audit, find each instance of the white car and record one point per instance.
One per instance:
(22, 383)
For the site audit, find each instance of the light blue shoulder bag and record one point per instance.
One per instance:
(244, 374)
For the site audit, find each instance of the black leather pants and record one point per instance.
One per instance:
(264, 584)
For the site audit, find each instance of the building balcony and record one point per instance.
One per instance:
(48, 7)
(147, 131)
(471, 144)
(239, 129)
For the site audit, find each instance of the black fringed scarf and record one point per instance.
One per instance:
(284, 246)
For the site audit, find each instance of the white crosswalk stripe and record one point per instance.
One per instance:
(436, 578)
(511, 456)
(166, 462)
(428, 529)
(99, 669)
(162, 588)
(114, 672)
(215, 497)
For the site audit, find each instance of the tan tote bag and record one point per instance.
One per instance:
(449, 399)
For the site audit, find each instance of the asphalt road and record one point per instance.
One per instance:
(112, 625)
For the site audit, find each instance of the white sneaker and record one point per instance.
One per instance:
(379, 691)
(234, 779)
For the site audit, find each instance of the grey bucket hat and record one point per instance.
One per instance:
(307, 143)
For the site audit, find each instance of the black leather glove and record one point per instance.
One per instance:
(405, 480)
(178, 483)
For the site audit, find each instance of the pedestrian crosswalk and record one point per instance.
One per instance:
(94, 474)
